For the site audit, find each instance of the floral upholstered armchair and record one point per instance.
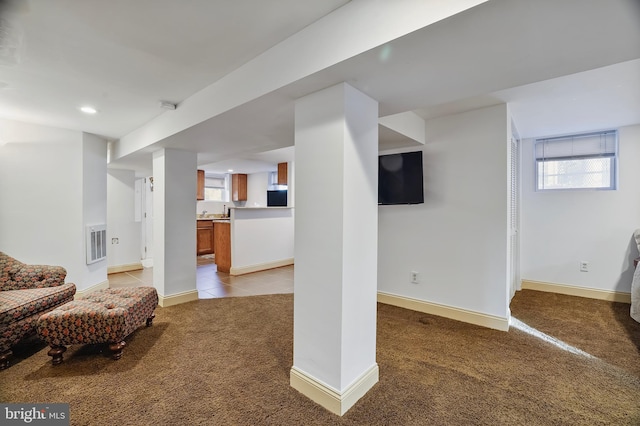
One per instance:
(26, 292)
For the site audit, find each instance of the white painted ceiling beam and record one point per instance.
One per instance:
(354, 28)
(407, 123)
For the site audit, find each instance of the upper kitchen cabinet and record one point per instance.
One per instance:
(239, 187)
(282, 174)
(200, 191)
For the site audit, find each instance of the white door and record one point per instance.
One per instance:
(147, 221)
(514, 216)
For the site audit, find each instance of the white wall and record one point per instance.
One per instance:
(261, 236)
(121, 223)
(94, 197)
(257, 184)
(45, 173)
(560, 229)
(457, 239)
(212, 207)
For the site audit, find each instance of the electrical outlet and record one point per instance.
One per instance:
(584, 266)
(414, 277)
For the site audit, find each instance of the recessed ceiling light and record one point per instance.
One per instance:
(230, 170)
(88, 109)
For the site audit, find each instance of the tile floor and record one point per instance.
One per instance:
(212, 284)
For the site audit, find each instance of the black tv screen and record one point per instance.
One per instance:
(277, 198)
(400, 178)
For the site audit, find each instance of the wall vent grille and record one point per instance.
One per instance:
(96, 243)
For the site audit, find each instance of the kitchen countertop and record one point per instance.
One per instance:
(261, 207)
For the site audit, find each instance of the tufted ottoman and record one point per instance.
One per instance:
(104, 316)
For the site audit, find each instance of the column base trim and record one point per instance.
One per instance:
(260, 267)
(570, 290)
(328, 397)
(471, 317)
(176, 299)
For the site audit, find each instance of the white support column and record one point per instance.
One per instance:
(174, 226)
(336, 239)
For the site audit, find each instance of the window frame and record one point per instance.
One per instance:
(613, 167)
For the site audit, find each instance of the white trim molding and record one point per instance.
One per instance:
(100, 286)
(333, 400)
(124, 268)
(471, 317)
(260, 267)
(570, 290)
(176, 299)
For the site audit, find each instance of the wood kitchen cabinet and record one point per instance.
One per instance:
(222, 244)
(239, 187)
(200, 191)
(282, 174)
(204, 237)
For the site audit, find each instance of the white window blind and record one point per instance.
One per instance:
(215, 189)
(214, 182)
(583, 161)
(602, 144)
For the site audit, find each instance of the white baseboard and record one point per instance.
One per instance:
(176, 299)
(124, 268)
(260, 267)
(611, 296)
(147, 263)
(457, 314)
(100, 286)
(328, 397)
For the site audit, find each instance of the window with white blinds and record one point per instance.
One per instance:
(582, 161)
(215, 189)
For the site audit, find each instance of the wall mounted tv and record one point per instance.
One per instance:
(400, 178)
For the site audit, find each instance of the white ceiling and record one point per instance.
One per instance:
(561, 68)
(125, 56)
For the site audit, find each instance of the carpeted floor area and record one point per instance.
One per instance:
(227, 361)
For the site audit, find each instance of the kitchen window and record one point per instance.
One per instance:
(580, 161)
(216, 189)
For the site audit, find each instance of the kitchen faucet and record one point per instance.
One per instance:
(203, 213)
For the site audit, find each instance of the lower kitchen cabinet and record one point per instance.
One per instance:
(204, 237)
(223, 246)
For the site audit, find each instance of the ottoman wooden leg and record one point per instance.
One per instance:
(56, 352)
(150, 320)
(116, 349)
(4, 359)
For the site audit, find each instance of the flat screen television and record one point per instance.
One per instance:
(400, 178)
(277, 198)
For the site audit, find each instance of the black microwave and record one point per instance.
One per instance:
(277, 198)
